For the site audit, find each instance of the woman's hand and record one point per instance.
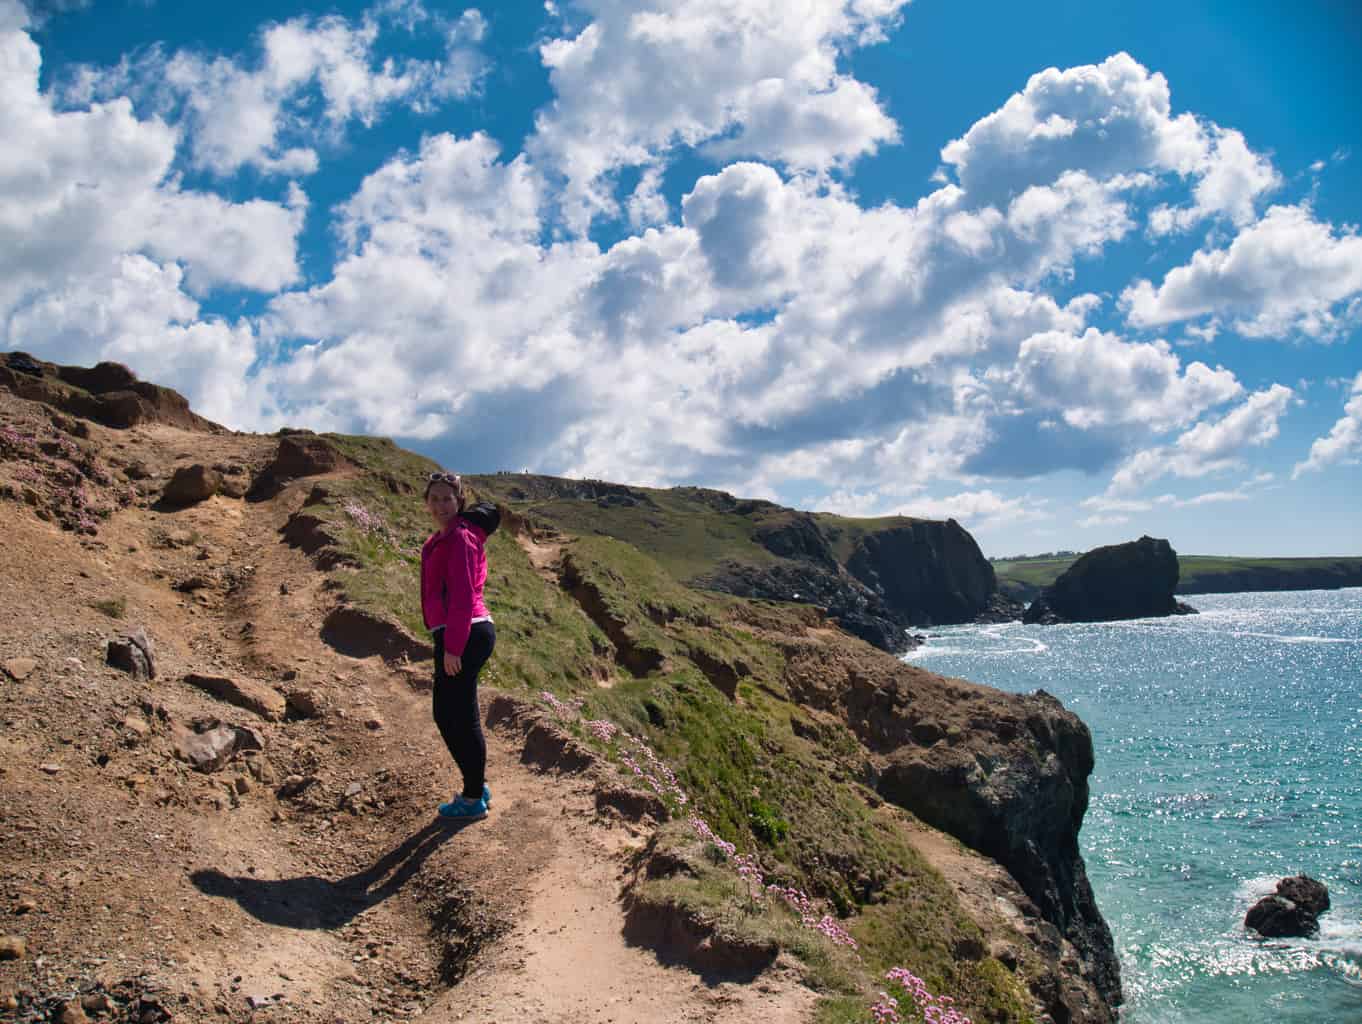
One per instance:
(453, 663)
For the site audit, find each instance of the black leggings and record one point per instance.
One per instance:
(456, 706)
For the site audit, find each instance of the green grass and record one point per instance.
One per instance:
(113, 607)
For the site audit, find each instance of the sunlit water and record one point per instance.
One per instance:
(1229, 754)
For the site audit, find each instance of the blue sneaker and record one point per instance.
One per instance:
(463, 809)
(487, 796)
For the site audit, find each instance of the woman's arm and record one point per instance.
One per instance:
(459, 596)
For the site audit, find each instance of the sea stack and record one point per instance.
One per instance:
(1134, 580)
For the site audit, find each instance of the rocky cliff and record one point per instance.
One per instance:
(1134, 580)
(272, 777)
(930, 572)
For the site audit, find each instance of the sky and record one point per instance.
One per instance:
(1069, 272)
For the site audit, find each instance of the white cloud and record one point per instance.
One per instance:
(1106, 120)
(1343, 443)
(1096, 379)
(1287, 273)
(976, 509)
(263, 115)
(1209, 447)
(89, 185)
(471, 304)
(1088, 522)
(752, 78)
(1232, 179)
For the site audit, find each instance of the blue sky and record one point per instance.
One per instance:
(1069, 272)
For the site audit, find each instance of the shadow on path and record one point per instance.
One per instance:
(318, 903)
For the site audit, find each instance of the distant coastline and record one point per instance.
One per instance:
(1024, 578)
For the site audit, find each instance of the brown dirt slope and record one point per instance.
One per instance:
(309, 881)
(300, 875)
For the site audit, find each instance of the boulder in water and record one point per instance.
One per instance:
(1292, 911)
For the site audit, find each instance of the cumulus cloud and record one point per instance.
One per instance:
(91, 184)
(1096, 379)
(1104, 120)
(1343, 443)
(1210, 446)
(472, 305)
(1288, 273)
(260, 114)
(768, 333)
(754, 78)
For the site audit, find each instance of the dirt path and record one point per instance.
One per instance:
(220, 896)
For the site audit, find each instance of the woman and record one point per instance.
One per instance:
(453, 572)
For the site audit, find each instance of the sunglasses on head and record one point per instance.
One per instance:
(445, 478)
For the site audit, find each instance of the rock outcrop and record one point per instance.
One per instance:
(1006, 775)
(108, 393)
(1134, 580)
(854, 606)
(1292, 911)
(929, 571)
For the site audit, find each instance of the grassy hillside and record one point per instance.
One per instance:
(699, 677)
(689, 531)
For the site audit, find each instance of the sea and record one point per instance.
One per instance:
(1229, 754)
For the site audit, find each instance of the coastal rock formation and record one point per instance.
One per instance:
(108, 393)
(1134, 580)
(1292, 911)
(1007, 776)
(855, 607)
(931, 572)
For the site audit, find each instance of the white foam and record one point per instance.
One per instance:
(1251, 889)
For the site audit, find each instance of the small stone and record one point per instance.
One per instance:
(206, 751)
(305, 703)
(373, 722)
(20, 669)
(25, 906)
(243, 784)
(50, 768)
(12, 947)
(354, 789)
(136, 726)
(257, 1002)
(97, 1002)
(134, 653)
(71, 1013)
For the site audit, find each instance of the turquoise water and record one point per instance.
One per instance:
(1229, 754)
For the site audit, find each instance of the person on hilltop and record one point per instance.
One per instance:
(453, 572)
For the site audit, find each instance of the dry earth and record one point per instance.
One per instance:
(309, 881)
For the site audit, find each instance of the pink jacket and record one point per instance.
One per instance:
(453, 573)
